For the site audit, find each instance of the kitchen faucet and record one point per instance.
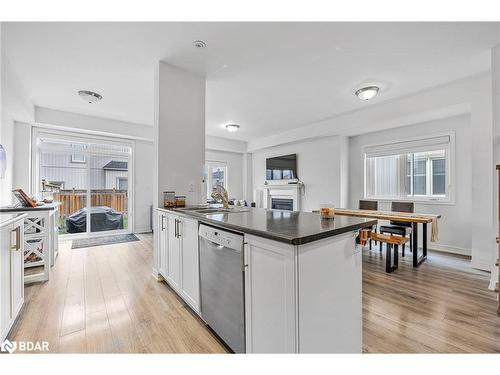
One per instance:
(221, 194)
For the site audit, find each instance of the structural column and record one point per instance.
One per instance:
(179, 133)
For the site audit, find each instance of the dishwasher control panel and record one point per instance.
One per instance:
(221, 237)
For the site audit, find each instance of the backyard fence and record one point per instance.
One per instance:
(74, 200)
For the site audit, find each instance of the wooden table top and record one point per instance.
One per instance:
(389, 215)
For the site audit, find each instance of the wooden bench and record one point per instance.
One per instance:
(390, 241)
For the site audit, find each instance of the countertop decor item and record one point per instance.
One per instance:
(24, 198)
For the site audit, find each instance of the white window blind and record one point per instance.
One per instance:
(414, 169)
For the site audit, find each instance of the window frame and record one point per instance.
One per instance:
(449, 148)
(218, 163)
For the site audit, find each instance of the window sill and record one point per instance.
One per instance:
(443, 202)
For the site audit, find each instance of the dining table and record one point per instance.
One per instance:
(414, 218)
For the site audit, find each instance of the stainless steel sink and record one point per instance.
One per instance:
(221, 210)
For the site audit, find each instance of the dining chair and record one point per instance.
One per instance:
(399, 228)
(371, 206)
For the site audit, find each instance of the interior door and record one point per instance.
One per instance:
(173, 253)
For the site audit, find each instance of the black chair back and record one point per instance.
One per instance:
(402, 207)
(368, 205)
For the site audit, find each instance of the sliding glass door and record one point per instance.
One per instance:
(90, 177)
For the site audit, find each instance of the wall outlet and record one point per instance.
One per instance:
(191, 187)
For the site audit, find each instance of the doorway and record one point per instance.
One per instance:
(89, 176)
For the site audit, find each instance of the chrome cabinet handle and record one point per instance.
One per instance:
(17, 245)
(18, 238)
(162, 222)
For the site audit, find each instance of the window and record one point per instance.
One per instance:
(122, 183)
(414, 170)
(216, 176)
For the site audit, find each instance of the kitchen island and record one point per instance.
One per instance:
(300, 275)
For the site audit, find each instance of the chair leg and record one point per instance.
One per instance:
(370, 244)
(380, 243)
(403, 250)
(411, 242)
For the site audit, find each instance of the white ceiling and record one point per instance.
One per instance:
(267, 77)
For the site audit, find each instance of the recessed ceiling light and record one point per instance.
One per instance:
(199, 44)
(89, 96)
(367, 93)
(232, 128)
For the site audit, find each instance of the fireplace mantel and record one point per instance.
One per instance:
(282, 191)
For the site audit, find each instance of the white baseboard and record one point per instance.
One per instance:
(143, 230)
(449, 249)
(481, 265)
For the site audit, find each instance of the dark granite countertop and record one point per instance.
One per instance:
(296, 228)
(44, 207)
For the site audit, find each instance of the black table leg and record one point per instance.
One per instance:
(414, 227)
(416, 259)
(424, 239)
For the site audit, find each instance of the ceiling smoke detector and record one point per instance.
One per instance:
(199, 44)
(367, 93)
(232, 128)
(89, 96)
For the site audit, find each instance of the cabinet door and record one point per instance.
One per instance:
(173, 253)
(5, 279)
(162, 251)
(190, 284)
(330, 282)
(17, 270)
(270, 296)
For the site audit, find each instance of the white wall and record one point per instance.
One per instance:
(320, 165)
(93, 124)
(16, 106)
(234, 170)
(180, 133)
(455, 232)
(143, 152)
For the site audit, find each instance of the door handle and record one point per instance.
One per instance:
(162, 222)
(178, 229)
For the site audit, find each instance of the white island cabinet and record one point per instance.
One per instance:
(302, 294)
(305, 298)
(176, 257)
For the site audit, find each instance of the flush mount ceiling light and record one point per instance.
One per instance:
(199, 44)
(89, 96)
(367, 93)
(232, 128)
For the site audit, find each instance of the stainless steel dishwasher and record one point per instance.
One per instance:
(222, 285)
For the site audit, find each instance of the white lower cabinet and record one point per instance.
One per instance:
(177, 256)
(11, 274)
(162, 241)
(190, 274)
(330, 298)
(303, 299)
(270, 296)
(173, 254)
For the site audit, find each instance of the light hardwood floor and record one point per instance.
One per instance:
(104, 300)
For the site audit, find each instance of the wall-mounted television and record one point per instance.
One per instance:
(282, 167)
